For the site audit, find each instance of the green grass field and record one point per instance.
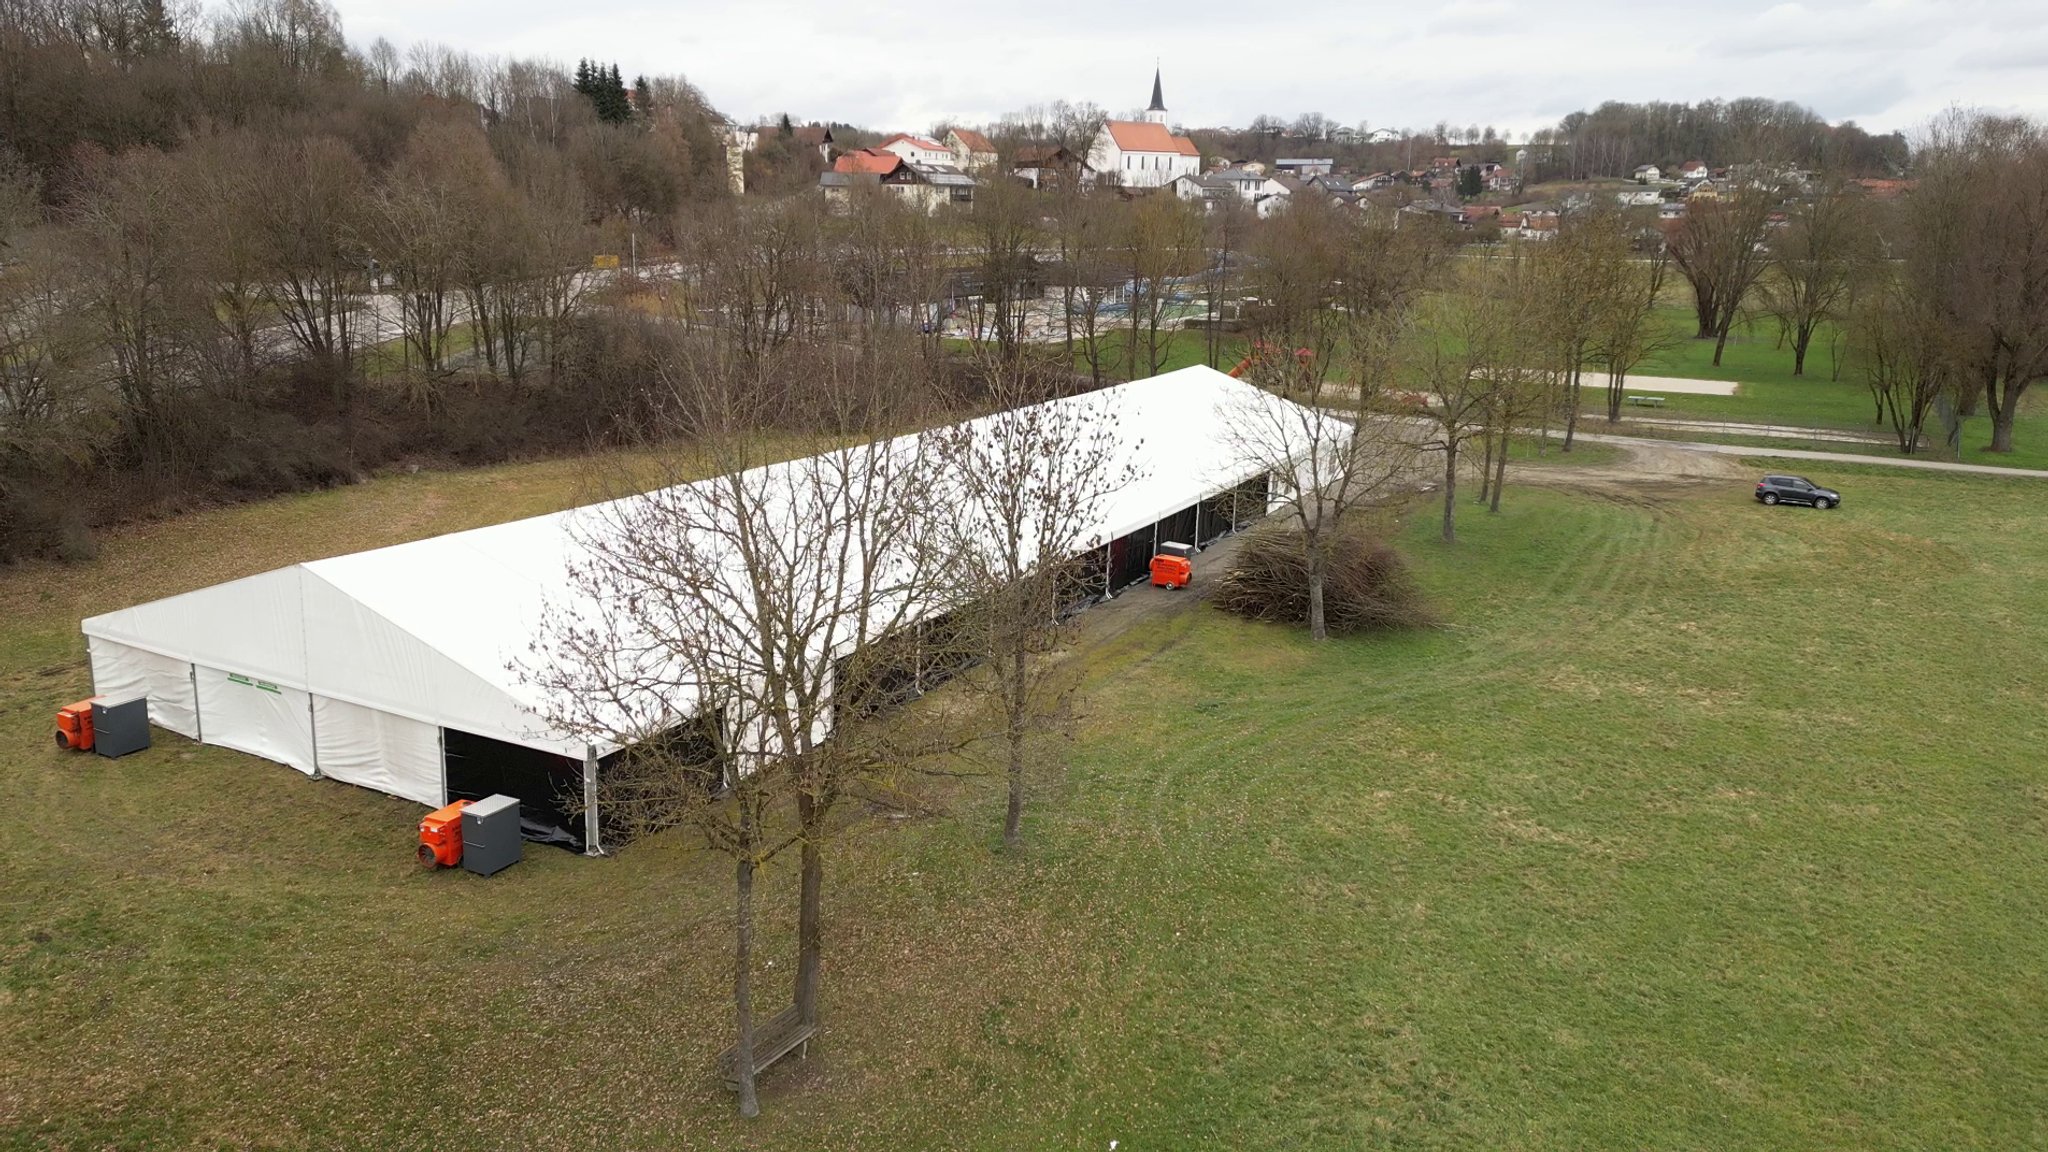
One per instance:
(1700, 826)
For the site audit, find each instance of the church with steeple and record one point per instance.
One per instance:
(1143, 153)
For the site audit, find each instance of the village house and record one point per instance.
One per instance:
(926, 186)
(971, 150)
(1208, 191)
(1694, 170)
(1143, 153)
(1047, 166)
(916, 149)
(1648, 174)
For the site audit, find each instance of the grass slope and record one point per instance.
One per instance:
(1703, 826)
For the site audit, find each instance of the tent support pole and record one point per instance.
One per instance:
(198, 723)
(590, 845)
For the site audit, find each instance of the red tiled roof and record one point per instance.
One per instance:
(1145, 136)
(867, 162)
(975, 141)
(915, 142)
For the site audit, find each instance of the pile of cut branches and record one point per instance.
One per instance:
(1367, 586)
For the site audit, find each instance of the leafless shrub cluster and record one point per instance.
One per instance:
(1366, 584)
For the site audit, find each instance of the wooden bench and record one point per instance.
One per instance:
(774, 1038)
(1645, 401)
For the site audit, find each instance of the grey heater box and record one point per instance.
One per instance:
(120, 726)
(490, 835)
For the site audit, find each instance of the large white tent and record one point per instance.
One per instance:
(364, 667)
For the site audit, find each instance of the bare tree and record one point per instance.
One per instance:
(1166, 250)
(1569, 278)
(1331, 295)
(1030, 485)
(1085, 227)
(1980, 253)
(1002, 231)
(311, 214)
(1626, 331)
(1825, 247)
(1719, 249)
(129, 282)
(745, 598)
(1453, 350)
(1906, 353)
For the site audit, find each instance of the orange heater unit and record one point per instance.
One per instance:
(74, 726)
(1174, 565)
(441, 836)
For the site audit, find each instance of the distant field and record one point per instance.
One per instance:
(1701, 826)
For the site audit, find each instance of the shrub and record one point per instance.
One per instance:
(1367, 586)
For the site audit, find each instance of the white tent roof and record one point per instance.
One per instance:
(435, 630)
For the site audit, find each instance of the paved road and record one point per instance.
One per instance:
(1801, 454)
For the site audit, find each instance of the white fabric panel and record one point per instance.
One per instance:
(355, 653)
(257, 716)
(120, 672)
(378, 750)
(253, 625)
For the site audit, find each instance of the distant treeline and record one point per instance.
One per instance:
(1611, 140)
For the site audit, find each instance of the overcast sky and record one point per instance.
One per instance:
(899, 64)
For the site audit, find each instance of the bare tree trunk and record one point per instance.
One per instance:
(809, 932)
(743, 986)
(1013, 816)
(1500, 477)
(1450, 488)
(1486, 465)
(1571, 416)
(1317, 627)
(1721, 339)
(2004, 410)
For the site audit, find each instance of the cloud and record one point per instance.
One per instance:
(1516, 65)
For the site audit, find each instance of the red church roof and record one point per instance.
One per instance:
(1145, 136)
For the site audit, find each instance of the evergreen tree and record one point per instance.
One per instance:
(643, 95)
(583, 77)
(1468, 181)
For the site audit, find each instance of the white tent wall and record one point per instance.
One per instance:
(390, 753)
(260, 717)
(120, 671)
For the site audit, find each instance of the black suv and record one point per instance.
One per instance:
(1795, 490)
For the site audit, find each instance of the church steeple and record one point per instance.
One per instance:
(1156, 113)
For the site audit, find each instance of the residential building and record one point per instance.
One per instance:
(971, 150)
(927, 186)
(1694, 170)
(1045, 165)
(916, 149)
(1648, 174)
